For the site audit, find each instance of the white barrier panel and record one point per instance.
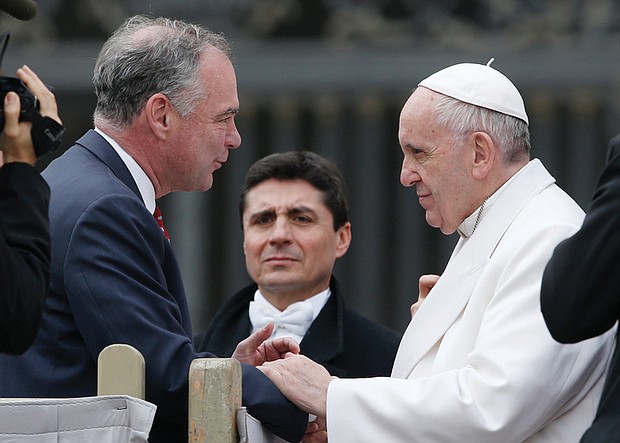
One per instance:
(252, 431)
(102, 419)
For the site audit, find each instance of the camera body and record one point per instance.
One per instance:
(29, 103)
(46, 133)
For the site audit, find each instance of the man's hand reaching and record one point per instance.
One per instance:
(258, 349)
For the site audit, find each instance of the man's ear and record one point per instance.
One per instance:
(485, 154)
(159, 112)
(344, 239)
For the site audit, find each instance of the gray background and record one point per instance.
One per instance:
(331, 76)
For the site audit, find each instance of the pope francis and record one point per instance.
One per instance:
(477, 363)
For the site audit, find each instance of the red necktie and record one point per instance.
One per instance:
(160, 222)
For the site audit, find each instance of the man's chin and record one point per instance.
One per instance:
(280, 281)
(208, 184)
(432, 221)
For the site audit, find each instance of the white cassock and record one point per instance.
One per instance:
(477, 363)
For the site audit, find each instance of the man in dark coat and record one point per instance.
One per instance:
(164, 121)
(580, 293)
(24, 220)
(295, 221)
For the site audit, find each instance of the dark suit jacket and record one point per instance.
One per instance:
(580, 294)
(24, 254)
(346, 343)
(115, 279)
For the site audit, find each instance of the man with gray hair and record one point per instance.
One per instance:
(164, 122)
(476, 363)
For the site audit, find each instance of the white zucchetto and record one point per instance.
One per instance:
(479, 85)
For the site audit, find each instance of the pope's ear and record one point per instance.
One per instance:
(485, 154)
(158, 111)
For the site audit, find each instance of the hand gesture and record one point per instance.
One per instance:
(258, 349)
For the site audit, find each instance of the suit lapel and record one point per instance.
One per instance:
(324, 339)
(443, 306)
(231, 323)
(96, 144)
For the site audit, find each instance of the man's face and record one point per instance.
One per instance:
(289, 242)
(202, 140)
(431, 163)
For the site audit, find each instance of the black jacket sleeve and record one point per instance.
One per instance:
(580, 293)
(265, 403)
(24, 254)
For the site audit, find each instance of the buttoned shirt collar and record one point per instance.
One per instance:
(147, 191)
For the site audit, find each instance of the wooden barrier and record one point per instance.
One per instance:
(214, 398)
(214, 395)
(121, 371)
(214, 390)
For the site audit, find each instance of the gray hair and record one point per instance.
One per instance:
(510, 133)
(145, 56)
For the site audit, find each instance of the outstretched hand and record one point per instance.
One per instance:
(258, 349)
(302, 381)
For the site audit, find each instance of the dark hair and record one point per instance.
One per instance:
(307, 166)
(145, 56)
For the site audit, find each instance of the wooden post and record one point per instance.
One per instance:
(121, 371)
(214, 397)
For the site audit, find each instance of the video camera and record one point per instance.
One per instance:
(46, 132)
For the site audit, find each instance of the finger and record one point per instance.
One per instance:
(270, 372)
(11, 114)
(315, 437)
(259, 337)
(264, 333)
(414, 308)
(312, 427)
(32, 81)
(47, 100)
(15, 139)
(285, 344)
(426, 283)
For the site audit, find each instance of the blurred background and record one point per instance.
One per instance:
(331, 76)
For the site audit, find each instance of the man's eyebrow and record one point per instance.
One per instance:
(300, 209)
(291, 211)
(230, 111)
(258, 214)
(411, 146)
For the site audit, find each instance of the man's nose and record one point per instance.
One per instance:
(233, 138)
(408, 177)
(281, 231)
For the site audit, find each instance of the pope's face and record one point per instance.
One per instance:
(432, 163)
(290, 244)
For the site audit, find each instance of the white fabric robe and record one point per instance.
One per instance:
(477, 363)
